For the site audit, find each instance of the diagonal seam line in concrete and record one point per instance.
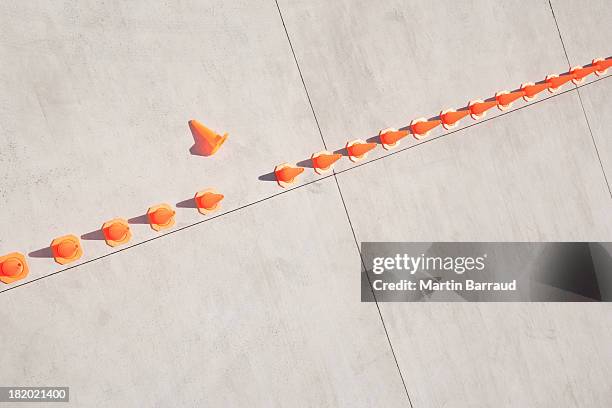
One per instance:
(384, 326)
(305, 184)
(586, 117)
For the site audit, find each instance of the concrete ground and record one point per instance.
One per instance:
(259, 305)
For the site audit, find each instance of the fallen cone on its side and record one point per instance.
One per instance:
(358, 149)
(478, 108)
(390, 137)
(161, 217)
(13, 267)
(421, 127)
(287, 174)
(451, 117)
(324, 161)
(116, 232)
(66, 249)
(505, 99)
(208, 200)
(209, 141)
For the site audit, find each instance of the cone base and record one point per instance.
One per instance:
(159, 227)
(24, 272)
(77, 255)
(205, 211)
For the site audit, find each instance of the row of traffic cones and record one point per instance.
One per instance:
(356, 150)
(68, 248)
(117, 231)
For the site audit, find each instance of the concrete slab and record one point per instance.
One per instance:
(527, 176)
(585, 29)
(257, 308)
(94, 110)
(598, 108)
(532, 175)
(372, 65)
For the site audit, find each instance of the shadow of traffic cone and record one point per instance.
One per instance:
(323, 161)
(478, 108)
(208, 141)
(287, 174)
(161, 217)
(556, 81)
(602, 65)
(421, 127)
(358, 149)
(116, 232)
(505, 99)
(66, 249)
(530, 90)
(208, 200)
(451, 117)
(13, 267)
(390, 137)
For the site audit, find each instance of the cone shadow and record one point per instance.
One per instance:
(96, 235)
(374, 139)
(189, 203)
(307, 163)
(341, 151)
(41, 253)
(141, 219)
(268, 177)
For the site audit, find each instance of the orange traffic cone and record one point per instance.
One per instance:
(478, 108)
(161, 217)
(390, 137)
(208, 200)
(505, 99)
(358, 149)
(580, 73)
(602, 65)
(13, 267)
(66, 249)
(421, 127)
(556, 81)
(531, 90)
(116, 232)
(323, 161)
(208, 140)
(451, 117)
(286, 174)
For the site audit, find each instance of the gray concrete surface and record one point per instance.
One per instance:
(260, 306)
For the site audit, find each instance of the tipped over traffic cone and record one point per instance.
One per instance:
(602, 65)
(208, 141)
(556, 81)
(505, 99)
(116, 232)
(13, 267)
(207, 200)
(323, 161)
(451, 117)
(478, 108)
(530, 90)
(421, 127)
(161, 217)
(358, 149)
(390, 137)
(286, 174)
(66, 249)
